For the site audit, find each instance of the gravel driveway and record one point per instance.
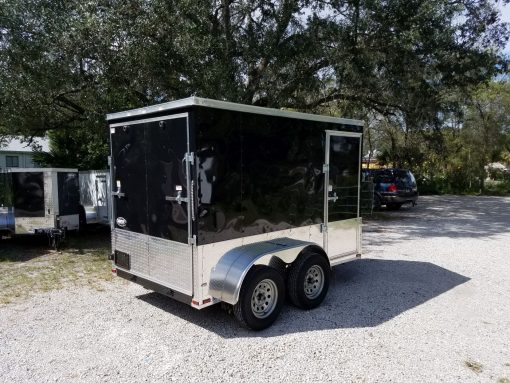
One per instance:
(429, 301)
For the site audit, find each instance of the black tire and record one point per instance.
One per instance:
(393, 206)
(308, 280)
(260, 314)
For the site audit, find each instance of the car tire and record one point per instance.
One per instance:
(308, 280)
(261, 298)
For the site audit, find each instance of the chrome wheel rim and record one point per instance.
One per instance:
(264, 298)
(314, 282)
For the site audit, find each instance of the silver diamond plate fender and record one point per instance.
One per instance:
(228, 275)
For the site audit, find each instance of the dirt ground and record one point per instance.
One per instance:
(29, 266)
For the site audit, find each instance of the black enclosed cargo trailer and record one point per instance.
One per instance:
(221, 202)
(39, 201)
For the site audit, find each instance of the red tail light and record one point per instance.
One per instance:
(392, 188)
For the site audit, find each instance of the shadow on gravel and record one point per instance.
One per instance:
(22, 248)
(365, 293)
(443, 216)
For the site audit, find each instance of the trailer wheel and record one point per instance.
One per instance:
(308, 281)
(261, 298)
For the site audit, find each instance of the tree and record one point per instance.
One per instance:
(64, 64)
(486, 131)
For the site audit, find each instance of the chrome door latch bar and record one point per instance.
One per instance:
(190, 157)
(333, 198)
(179, 199)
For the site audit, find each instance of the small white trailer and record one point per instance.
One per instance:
(94, 197)
(221, 202)
(39, 201)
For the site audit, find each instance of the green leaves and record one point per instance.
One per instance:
(65, 64)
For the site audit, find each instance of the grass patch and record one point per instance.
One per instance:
(28, 265)
(474, 366)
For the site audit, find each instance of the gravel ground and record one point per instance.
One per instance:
(429, 301)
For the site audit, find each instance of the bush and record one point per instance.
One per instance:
(436, 185)
(499, 188)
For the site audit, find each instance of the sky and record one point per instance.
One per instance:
(505, 16)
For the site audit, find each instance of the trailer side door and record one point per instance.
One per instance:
(342, 222)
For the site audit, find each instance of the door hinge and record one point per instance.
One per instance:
(191, 197)
(325, 168)
(192, 240)
(190, 157)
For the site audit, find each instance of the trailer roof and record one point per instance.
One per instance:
(190, 101)
(21, 170)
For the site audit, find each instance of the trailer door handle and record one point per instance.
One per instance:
(179, 199)
(118, 194)
(333, 198)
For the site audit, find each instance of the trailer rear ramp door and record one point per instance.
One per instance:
(150, 183)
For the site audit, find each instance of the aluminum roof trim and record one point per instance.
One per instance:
(190, 101)
(40, 170)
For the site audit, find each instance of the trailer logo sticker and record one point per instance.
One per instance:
(121, 222)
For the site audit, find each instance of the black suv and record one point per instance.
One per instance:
(392, 187)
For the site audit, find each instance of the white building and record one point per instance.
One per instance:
(17, 154)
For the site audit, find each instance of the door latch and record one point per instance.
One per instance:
(179, 199)
(118, 193)
(333, 198)
(190, 157)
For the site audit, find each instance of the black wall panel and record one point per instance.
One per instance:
(129, 176)
(257, 173)
(28, 194)
(166, 175)
(6, 196)
(148, 167)
(253, 174)
(68, 193)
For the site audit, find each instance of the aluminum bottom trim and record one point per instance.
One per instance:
(151, 279)
(344, 258)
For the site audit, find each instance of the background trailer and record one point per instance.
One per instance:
(39, 201)
(94, 197)
(222, 202)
